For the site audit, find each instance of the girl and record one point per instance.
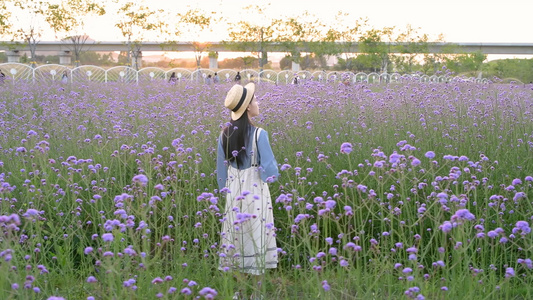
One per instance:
(245, 163)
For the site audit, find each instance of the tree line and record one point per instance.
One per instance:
(306, 39)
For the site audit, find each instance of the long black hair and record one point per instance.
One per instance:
(234, 138)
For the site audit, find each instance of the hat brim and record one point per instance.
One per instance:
(250, 92)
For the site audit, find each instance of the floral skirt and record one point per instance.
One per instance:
(248, 238)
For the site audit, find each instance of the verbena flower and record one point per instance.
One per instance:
(325, 285)
(346, 148)
(140, 179)
(107, 237)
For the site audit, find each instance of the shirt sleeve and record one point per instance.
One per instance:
(267, 162)
(222, 166)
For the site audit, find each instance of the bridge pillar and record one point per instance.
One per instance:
(136, 60)
(213, 63)
(65, 58)
(13, 56)
(295, 67)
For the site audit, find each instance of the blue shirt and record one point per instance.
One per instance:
(268, 166)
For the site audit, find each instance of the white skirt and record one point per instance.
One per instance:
(248, 239)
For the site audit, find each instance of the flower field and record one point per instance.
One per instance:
(399, 191)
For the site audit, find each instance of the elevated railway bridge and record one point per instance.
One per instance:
(65, 49)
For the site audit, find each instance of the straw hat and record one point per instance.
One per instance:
(238, 99)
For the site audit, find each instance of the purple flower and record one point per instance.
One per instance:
(31, 213)
(107, 237)
(430, 154)
(509, 272)
(157, 280)
(208, 293)
(446, 227)
(344, 263)
(88, 250)
(192, 283)
(492, 234)
(330, 204)
(325, 285)
(91, 279)
(522, 227)
(397, 265)
(353, 246)
(394, 158)
(140, 179)
(519, 195)
(415, 162)
(186, 291)
(285, 167)
(463, 215)
(346, 148)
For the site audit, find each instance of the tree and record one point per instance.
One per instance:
(376, 49)
(232, 63)
(195, 21)
(123, 58)
(510, 68)
(410, 44)
(346, 33)
(312, 61)
(5, 15)
(297, 34)
(466, 62)
(433, 62)
(134, 21)
(285, 63)
(255, 37)
(67, 21)
(94, 58)
(24, 22)
(250, 62)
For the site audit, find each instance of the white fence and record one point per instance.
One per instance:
(83, 74)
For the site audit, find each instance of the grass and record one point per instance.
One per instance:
(83, 145)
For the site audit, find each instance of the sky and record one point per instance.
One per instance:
(476, 21)
(487, 21)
